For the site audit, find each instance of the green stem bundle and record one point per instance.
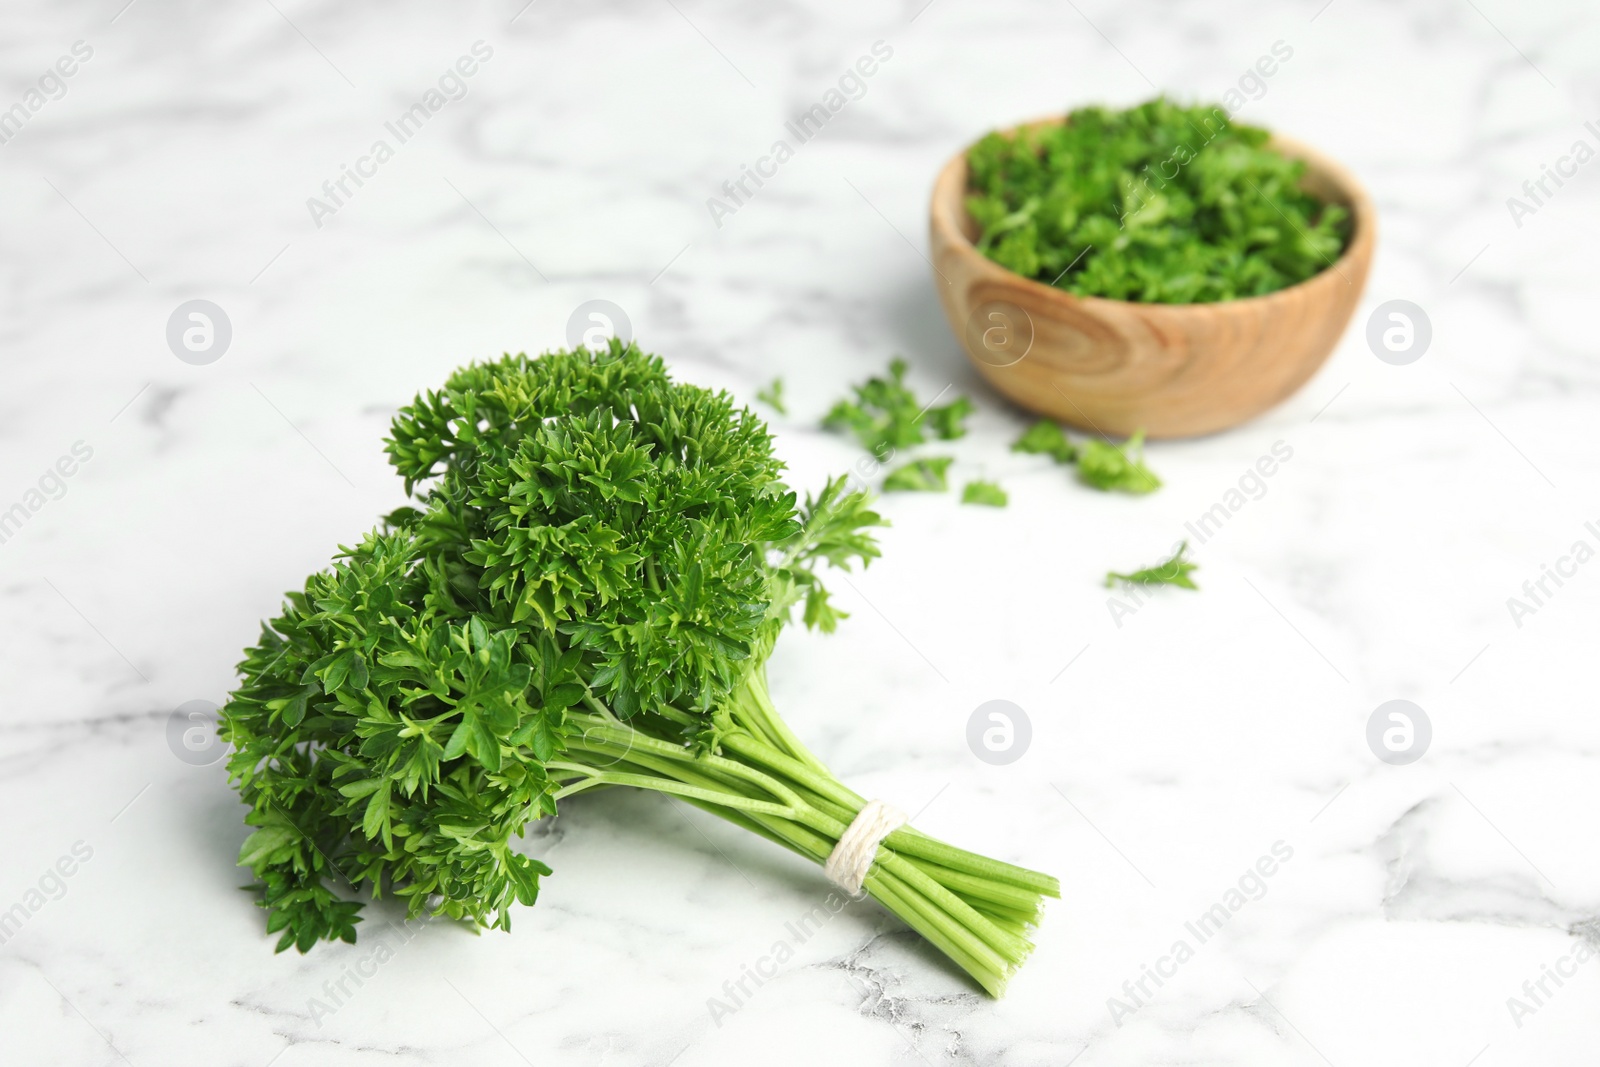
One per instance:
(978, 911)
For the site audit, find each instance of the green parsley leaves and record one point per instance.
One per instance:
(885, 415)
(1046, 438)
(887, 418)
(947, 422)
(1101, 464)
(1159, 203)
(926, 475)
(1117, 468)
(1172, 571)
(988, 494)
(772, 396)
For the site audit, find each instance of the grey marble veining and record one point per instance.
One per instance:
(1442, 912)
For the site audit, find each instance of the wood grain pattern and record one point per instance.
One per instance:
(1112, 366)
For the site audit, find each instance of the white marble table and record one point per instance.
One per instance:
(1169, 753)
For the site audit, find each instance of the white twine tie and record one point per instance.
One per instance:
(852, 857)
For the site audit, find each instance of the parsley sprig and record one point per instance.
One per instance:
(925, 475)
(1102, 465)
(885, 416)
(772, 395)
(1046, 438)
(1174, 570)
(1117, 468)
(989, 494)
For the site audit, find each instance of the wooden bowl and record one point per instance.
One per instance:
(1114, 366)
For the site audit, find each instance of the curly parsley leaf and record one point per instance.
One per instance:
(1172, 571)
(948, 421)
(885, 415)
(1117, 468)
(772, 396)
(1046, 438)
(926, 475)
(986, 493)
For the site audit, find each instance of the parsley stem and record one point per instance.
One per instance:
(945, 932)
(667, 785)
(906, 840)
(676, 770)
(759, 708)
(978, 921)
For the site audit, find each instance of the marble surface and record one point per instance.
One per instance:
(1170, 753)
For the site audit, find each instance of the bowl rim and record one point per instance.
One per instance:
(947, 209)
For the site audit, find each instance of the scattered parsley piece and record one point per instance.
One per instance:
(1173, 571)
(886, 416)
(772, 396)
(1120, 468)
(981, 492)
(1159, 203)
(1046, 438)
(919, 476)
(946, 422)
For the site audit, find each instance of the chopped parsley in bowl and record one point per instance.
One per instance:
(1159, 203)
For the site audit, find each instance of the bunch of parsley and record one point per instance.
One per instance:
(1159, 203)
(585, 595)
